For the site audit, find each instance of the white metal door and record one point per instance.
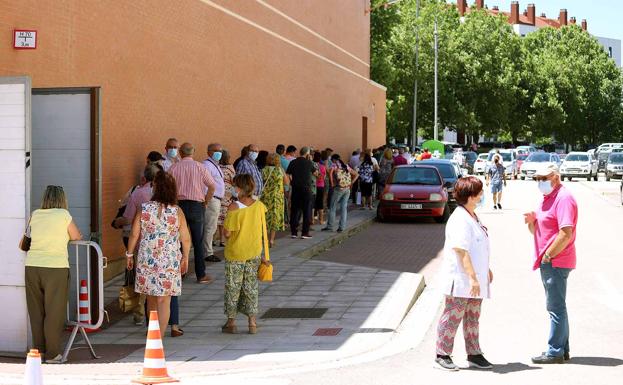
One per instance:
(14, 206)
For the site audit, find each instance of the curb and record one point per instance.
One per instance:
(334, 240)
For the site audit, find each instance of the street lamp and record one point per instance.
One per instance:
(435, 124)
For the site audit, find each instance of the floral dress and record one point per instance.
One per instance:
(228, 177)
(272, 197)
(158, 260)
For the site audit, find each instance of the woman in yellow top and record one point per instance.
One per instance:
(47, 272)
(243, 230)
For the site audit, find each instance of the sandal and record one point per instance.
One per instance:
(271, 244)
(252, 329)
(229, 329)
(177, 332)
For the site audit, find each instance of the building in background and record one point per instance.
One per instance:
(113, 80)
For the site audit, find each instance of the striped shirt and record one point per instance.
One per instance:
(247, 166)
(192, 178)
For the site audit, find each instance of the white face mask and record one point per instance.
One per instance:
(545, 186)
(253, 155)
(172, 152)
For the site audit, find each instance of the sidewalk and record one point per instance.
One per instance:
(360, 308)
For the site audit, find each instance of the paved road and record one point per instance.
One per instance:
(514, 323)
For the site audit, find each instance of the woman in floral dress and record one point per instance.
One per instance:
(228, 176)
(161, 227)
(272, 196)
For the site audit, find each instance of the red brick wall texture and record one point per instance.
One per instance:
(230, 71)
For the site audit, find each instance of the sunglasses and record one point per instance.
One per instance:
(542, 178)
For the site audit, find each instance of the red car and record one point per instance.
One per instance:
(414, 191)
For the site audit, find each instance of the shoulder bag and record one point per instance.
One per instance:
(24, 244)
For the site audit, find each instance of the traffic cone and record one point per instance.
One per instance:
(83, 306)
(154, 365)
(33, 368)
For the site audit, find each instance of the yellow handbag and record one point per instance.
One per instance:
(265, 271)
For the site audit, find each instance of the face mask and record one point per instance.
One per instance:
(545, 187)
(481, 202)
(217, 156)
(172, 152)
(253, 155)
(234, 192)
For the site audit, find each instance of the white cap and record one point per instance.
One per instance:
(547, 170)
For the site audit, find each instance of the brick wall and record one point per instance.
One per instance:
(234, 71)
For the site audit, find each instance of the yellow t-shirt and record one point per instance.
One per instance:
(49, 238)
(245, 225)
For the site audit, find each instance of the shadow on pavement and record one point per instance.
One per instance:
(513, 367)
(596, 361)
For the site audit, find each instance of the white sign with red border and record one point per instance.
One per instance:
(25, 39)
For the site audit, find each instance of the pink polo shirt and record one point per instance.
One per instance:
(557, 210)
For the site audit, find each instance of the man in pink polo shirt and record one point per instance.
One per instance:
(553, 226)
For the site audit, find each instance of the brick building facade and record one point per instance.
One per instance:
(230, 71)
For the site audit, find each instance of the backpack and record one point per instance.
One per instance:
(343, 178)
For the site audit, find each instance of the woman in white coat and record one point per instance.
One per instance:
(467, 276)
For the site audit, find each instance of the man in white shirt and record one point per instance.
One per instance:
(213, 207)
(170, 154)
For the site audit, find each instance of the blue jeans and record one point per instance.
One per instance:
(339, 197)
(195, 213)
(555, 285)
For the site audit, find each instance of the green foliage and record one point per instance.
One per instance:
(553, 83)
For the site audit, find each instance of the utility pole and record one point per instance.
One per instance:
(417, 51)
(435, 124)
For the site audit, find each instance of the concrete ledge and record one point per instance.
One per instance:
(337, 238)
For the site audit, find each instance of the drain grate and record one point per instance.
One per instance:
(295, 312)
(327, 332)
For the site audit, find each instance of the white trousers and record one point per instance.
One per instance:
(212, 211)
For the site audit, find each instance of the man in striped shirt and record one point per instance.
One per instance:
(248, 166)
(192, 179)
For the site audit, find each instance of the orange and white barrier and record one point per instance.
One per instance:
(33, 368)
(154, 365)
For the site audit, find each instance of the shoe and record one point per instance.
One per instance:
(293, 236)
(478, 361)
(229, 329)
(325, 229)
(565, 357)
(177, 332)
(499, 206)
(544, 359)
(205, 280)
(212, 258)
(56, 360)
(495, 207)
(445, 363)
(339, 230)
(252, 329)
(306, 236)
(221, 244)
(139, 322)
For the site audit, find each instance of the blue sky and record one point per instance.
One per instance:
(604, 17)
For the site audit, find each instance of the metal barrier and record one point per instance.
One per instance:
(77, 325)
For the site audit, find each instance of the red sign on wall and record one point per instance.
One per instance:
(24, 39)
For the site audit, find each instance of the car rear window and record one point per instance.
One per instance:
(538, 157)
(506, 156)
(415, 175)
(616, 158)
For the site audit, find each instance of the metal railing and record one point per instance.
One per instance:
(77, 324)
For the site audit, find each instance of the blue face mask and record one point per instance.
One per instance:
(234, 192)
(545, 186)
(481, 202)
(217, 156)
(172, 152)
(253, 155)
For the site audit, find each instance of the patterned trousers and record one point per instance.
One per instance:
(457, 310)
(241, 287)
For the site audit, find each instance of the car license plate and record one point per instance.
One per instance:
(411, 206)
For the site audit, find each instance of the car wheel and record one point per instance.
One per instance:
(522, 177)
(379, 217)
(607, 177)
(596, 177)
(569, 178)
(589, 177)
(445, 216)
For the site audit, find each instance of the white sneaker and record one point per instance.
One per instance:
(56, 360)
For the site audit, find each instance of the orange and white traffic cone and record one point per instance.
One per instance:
(83, 306)
(154, 365)
(33, 368)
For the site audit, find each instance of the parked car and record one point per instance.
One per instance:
(414, 191)
(579, 165)
(509, 160)
(524, 149)
(450, 172)
(480, 165)
(602, 159)
(609, 146)
(536, 160)
(614, 167)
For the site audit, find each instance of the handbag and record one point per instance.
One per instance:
(265, 271)
(24, 244)
(128, 299)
